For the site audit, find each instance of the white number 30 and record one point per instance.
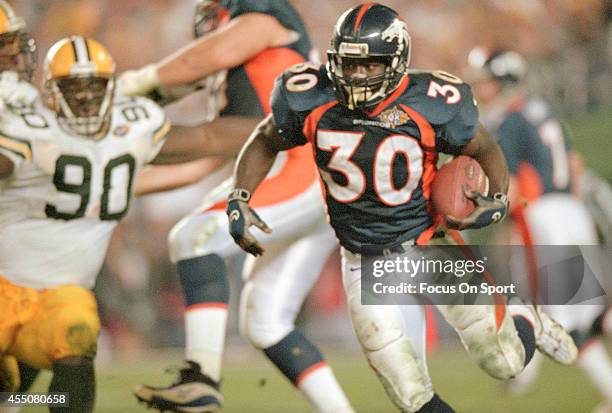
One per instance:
(449, 91)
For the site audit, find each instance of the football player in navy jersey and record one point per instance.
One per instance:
(545, 172)
(376, 130)
(242, 46)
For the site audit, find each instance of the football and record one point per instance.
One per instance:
(450, 183)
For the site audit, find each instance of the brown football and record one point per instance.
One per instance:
(451, 181)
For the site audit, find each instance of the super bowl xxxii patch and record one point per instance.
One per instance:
(121, 130)
(394, 117)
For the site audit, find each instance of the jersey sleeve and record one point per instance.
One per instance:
(159, 128)
(461, 128)
(250, 6)
(16, 148)
(290, 124)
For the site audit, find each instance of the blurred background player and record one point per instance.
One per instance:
(376, 129)
(545, 191)
(254, 42)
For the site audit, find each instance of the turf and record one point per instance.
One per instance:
(252, 386)
(591, 134)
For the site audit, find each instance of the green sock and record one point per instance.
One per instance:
(28, 376)
(79, 381)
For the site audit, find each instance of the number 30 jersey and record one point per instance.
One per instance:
(67, 193)
(377, 166)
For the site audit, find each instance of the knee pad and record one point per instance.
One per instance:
(204, 280)
(76, 334)
(379, 330)
(259, 324)
(489, 335)
(192, 236)
(402, 374)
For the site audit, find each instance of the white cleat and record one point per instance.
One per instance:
(553, 340)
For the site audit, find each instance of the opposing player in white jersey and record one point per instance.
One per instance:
(546, 173)
(67, 168)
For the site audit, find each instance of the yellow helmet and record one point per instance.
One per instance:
(17, 47)
(79, 83)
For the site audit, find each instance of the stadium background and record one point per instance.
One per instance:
(569, 47)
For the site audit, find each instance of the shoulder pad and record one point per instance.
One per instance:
(138, 109)
(306, 86)
(437, 95)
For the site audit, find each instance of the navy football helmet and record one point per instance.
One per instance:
(369, 33)
(506, 66)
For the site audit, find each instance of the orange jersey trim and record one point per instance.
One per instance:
(312, 120)
(397, 93)
(263, 69)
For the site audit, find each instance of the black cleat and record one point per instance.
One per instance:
(192, 392)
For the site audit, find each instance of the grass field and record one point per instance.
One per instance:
(252, 386)
(592, 133)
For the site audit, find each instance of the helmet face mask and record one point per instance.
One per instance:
(83, 103)
(80, 84)
(17, 47)
(366, 88)
(367, 36)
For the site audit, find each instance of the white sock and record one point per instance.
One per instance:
(322, 390)
(596, 365)
(205, 337)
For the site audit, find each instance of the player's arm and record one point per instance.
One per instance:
(160, 178)
(229, 46)
(576, 165)
(490, 208)
(6, 167)
(223, 137)
(489, 155)
(252, 166)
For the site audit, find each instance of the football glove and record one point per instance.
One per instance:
(489, 210)
(241, 218)
(138, 82)
(15, 93)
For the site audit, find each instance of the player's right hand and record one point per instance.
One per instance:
(241, 217)
(138, 82)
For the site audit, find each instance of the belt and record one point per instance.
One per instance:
(396, 249)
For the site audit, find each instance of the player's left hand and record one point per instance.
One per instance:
(489, 210)
(241, 217)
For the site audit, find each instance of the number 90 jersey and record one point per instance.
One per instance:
(377, 167)
(66, 193)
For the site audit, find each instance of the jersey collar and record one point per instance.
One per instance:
(397, 93)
